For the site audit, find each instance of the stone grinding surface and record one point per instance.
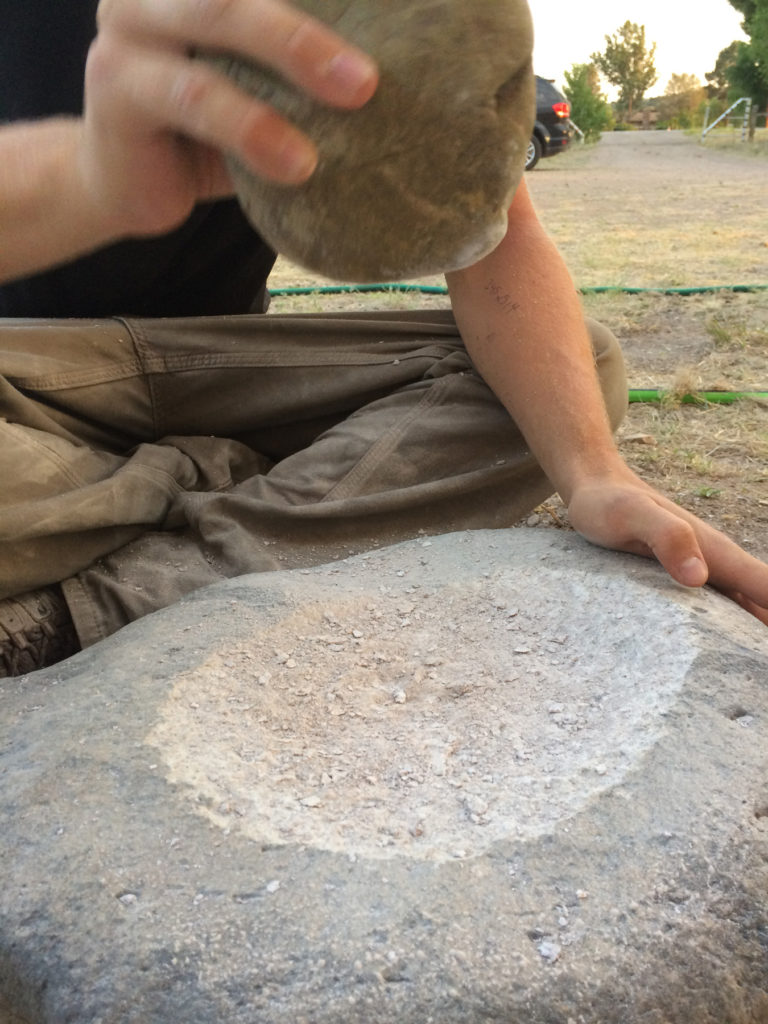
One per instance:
(597, 848)
(421, 717)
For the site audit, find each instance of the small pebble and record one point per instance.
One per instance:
(549, 951)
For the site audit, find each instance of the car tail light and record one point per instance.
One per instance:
(562, 109)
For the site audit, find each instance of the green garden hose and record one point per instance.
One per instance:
(697, 290)
(695, 397)
(635, 394)
(428, 289)
(344, 289)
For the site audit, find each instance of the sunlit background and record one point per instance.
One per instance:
(688, 36)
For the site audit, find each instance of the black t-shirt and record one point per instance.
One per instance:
(214, 263)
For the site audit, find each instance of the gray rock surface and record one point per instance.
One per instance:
(419, 180)
(493, 776)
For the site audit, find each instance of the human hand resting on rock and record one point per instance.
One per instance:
(156, 121)
(620, 511)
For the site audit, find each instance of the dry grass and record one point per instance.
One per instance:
(729, 138)
(658, 210)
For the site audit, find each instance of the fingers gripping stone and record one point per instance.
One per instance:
(419, 180)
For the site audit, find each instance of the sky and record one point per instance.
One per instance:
(688, 36)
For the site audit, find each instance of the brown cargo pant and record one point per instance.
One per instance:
(142, 459)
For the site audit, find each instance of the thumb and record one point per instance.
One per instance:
(673, 542)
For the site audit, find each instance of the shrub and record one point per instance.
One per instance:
(589, 109)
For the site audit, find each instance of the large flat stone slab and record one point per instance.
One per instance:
(493, 776)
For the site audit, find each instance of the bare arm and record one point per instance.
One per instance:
(521, 321)
(46, 215)
(148, 147)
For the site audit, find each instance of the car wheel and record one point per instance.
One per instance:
(533, 154)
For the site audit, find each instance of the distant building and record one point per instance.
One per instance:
(645, 119)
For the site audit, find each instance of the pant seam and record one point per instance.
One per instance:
(351, 483)
(85, 611)
(142, 345)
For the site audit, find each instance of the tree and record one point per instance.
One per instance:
(748, 77)
(758, 31)
(589, 109)
(745, 7)
(682, 98)
(628, 64)
(749, 71)
(718, 82)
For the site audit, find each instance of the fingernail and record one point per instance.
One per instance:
(354, 73)
(694, 569)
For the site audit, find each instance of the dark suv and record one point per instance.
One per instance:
(552, 130)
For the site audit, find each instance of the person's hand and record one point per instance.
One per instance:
(156, 121)
(623, 513)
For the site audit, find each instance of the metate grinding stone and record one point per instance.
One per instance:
(419, 180)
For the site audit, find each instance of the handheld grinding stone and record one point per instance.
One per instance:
(419, 180)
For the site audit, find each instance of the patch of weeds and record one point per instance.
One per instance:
(720, 333)
(699, 464)
(737, 334)
(685, 389)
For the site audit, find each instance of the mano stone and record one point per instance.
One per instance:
(419, 180)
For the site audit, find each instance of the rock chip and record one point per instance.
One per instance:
(225, 812)
(419, 180)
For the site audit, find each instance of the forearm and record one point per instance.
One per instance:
(522, 323)
(46, 216)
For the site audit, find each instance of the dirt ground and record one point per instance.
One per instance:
(660, 210)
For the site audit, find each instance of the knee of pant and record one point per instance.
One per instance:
(611, 371)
